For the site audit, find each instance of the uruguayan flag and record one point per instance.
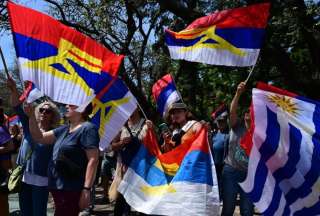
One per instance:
(283, 174)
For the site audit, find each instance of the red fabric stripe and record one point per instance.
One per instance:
(42, 27)
(199, 142)
(253, 16)
(161, 84)
(246, 141)
(270, 88)
(26, 92)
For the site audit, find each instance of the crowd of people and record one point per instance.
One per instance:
(64, 160)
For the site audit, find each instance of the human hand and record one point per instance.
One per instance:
(241, 88)
(166, 136)
(125, 141)
(149, 124)
(84, 199)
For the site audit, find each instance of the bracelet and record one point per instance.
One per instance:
(86, 188)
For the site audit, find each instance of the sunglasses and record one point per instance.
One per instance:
(45, 111)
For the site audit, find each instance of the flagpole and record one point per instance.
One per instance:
(144, 114)
(4, 63)
(250, 74)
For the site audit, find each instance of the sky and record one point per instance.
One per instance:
(6, 41)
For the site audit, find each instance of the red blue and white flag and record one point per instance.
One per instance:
(111, 109)
(71, 68)
(283, 174)
(230, 37)
(14, 120)
(222, 110)
(63, 64)
(179, 182)
(164, 93)
(30, 93)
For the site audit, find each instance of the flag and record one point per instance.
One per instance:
(230, 37)
(64, 64)
(164, 93)
(283, 173)
(179, 182)
(30, 93)
(111, 109)
(222, 110)
(14, 120)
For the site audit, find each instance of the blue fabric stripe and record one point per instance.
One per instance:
(267, 149)
(96, 81)
(32, 49)
(143, 165)
(288, 170)
(164, 95)
(270, 145)
(313, 174)
(117, 91)
(275, 202)
(314, 210)
(195, 167)
(247, 38)
(259, 179)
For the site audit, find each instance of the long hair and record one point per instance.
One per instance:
(55, 112)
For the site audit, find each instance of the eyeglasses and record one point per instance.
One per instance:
(45, 111)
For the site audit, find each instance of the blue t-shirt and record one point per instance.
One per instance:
(73, 146)
(4, 138)
(219, 141)
(41, 154)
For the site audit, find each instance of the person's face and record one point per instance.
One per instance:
(71, 111)
(247, 119)
(45, 113)
(178, 116)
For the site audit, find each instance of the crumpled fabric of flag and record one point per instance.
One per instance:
(111, 109)
(180, 182)
(230, 37)
(164, 93)
(64, 64)
(283, 174)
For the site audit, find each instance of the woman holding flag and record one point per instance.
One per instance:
(74, 161)
(33, 196)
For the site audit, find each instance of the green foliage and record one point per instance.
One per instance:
(290, 56)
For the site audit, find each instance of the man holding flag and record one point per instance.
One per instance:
(236, 161)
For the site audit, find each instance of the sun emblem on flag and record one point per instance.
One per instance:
(285, 103)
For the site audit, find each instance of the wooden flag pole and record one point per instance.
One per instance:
(144, 114)
(4, 63)
(250, 74)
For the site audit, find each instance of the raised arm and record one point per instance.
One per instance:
(14, 96)
(38, 136)
(234, 104)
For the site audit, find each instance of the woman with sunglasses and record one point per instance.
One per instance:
(72, 167)
(33, 197)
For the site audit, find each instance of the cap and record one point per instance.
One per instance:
(174, 106)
